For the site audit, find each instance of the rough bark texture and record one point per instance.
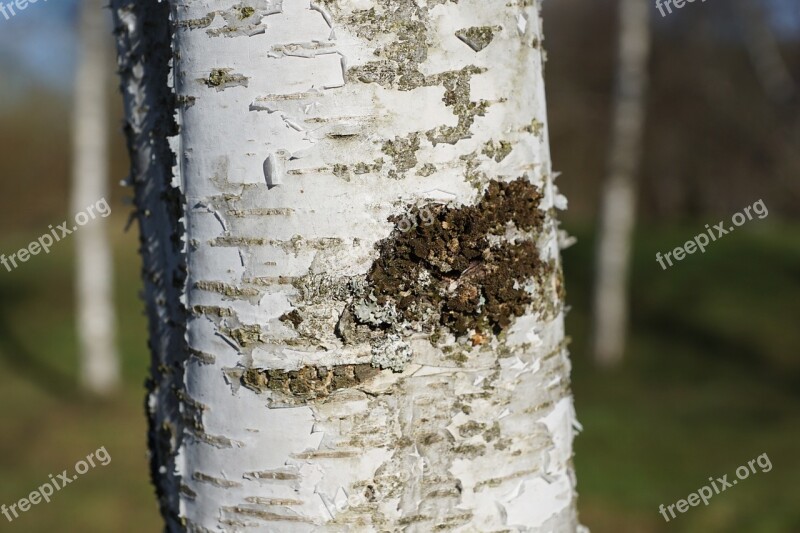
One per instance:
(144, 39)
(618, 207)
(100, 372)
(375, 304)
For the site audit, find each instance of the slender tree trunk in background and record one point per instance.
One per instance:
(99, 360)
(373, 336)
(765, 54)
(618, 205)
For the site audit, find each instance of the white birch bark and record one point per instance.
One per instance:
(96, 319)
(618, 203)
(315, 397)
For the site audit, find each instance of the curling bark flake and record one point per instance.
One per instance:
(374, 306)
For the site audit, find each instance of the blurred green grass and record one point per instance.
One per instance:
(710, 382)
(47, 426)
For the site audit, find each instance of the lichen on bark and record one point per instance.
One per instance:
(239, 20)
(399, 66)
(468, 271)
(308, 383)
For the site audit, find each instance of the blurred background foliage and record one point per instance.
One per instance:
(712, 375)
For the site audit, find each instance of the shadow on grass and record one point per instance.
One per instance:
(23, 361)
(670, 327)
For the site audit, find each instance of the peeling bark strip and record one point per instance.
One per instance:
(341, 369)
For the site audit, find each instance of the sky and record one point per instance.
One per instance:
(38, 45)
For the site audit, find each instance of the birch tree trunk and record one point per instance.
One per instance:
(618, 204)
(369, 335)
(99, 360)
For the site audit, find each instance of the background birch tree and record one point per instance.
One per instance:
(94, 295)
(618, 204)
(351, 264)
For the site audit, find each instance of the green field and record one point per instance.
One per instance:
(710, 382)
